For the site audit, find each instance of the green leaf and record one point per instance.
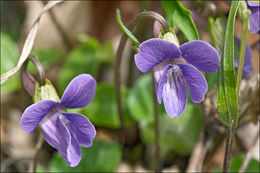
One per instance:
(82, 59)
(217, 29)
(177, 14)
(178, 134)
(237, 161)
(102, 111)
(212, 80)
(227, 100)
(9, 58)
(126, 31)
(47, 56)
(140, 100)
(105, 52)
(102, 156)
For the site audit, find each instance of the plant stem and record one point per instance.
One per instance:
(229, 142)
(156, 129)
(245, 30)
(37, 150)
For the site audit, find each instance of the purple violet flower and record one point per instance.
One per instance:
(64, 131)
(248, 65)
(172, 70)
(254, 17)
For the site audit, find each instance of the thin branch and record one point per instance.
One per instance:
(27, 47)
(229, 142)
(37, 151)
(67, 42)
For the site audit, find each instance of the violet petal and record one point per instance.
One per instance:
(153, 52)
(248, 65)
(254, 22)
(158, 72)
(252, 4)
(196, 82)
(35, 113)
(83, 129)
(174, 92)
(74, 152)
(202, 55)
(79, 92)
(56, 134)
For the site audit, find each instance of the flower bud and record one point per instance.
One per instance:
(171, 37)
(45, 92)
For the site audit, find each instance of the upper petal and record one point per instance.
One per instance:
(174, 91)
(254, 22)
(83, 129)
(153, 52)
(79, 92)
(35, 113)
(196, 81)
(202, 55)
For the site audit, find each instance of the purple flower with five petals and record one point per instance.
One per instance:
(172, 70)
(254, 17)
(64, 131)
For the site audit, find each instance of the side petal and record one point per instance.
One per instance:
(35, 113)
(163, 79)
(173, 90)
(202, 55)
(74, 153)
(158, 72)
(196, 81)
(56, 133)
(80, 91)
(83, 129)
(254, 22)
(153, 52)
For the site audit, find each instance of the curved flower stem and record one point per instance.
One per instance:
(245, 30)
(229, 142)
(39, 68)
(37, 150)
(120, 50)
